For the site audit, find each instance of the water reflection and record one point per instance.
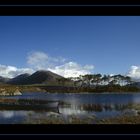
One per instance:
(6, 114)
(102, 106)
(87, 108)
(12, 117)
(83, 98)
(99, 111)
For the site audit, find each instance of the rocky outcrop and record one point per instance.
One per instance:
(17, 92)
(3, 92)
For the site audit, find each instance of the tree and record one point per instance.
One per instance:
(62, 81)
(104, 79)
(98, 78)
(128, 80)
(113, 82)
(87, 79)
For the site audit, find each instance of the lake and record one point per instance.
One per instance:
(81, 106)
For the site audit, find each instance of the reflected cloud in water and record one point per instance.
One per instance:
(6, 114)
(11, 114)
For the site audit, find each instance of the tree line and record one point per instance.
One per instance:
(93, 80)
(91, 83)
(98, 83)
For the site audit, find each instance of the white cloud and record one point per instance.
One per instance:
(37, 60)
(72, 69)
(11, 71)
(40, 60)
(134, 72)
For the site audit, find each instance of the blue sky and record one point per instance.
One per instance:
(110, 43)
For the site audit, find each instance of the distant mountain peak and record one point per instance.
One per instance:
(45, 71)
(24, 74)
(38, 77)
(4, 79)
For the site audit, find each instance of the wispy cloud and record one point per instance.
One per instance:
(37, 60)
(40, 60)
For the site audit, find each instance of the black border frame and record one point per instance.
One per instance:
(63, 9)
(69, 10)
(74, 129)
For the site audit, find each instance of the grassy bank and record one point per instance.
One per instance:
(121, 120)
(88, 120)
(75, 89)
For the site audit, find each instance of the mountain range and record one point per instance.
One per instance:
(39, 77)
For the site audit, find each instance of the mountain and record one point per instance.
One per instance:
(39, 77)
(43, 77)
(18, 79)
(3, 79)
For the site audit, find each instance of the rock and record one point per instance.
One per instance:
(17, 92)
(53, 114)
(10, 93)
(93, 116)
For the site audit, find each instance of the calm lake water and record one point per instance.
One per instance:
(90, 105)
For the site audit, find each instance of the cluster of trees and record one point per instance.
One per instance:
(83, 83)
(93, 80)
(95, 83)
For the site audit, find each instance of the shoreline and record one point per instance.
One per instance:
(98, 93)
(70, 93)
(76, 90)
(63, 89)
